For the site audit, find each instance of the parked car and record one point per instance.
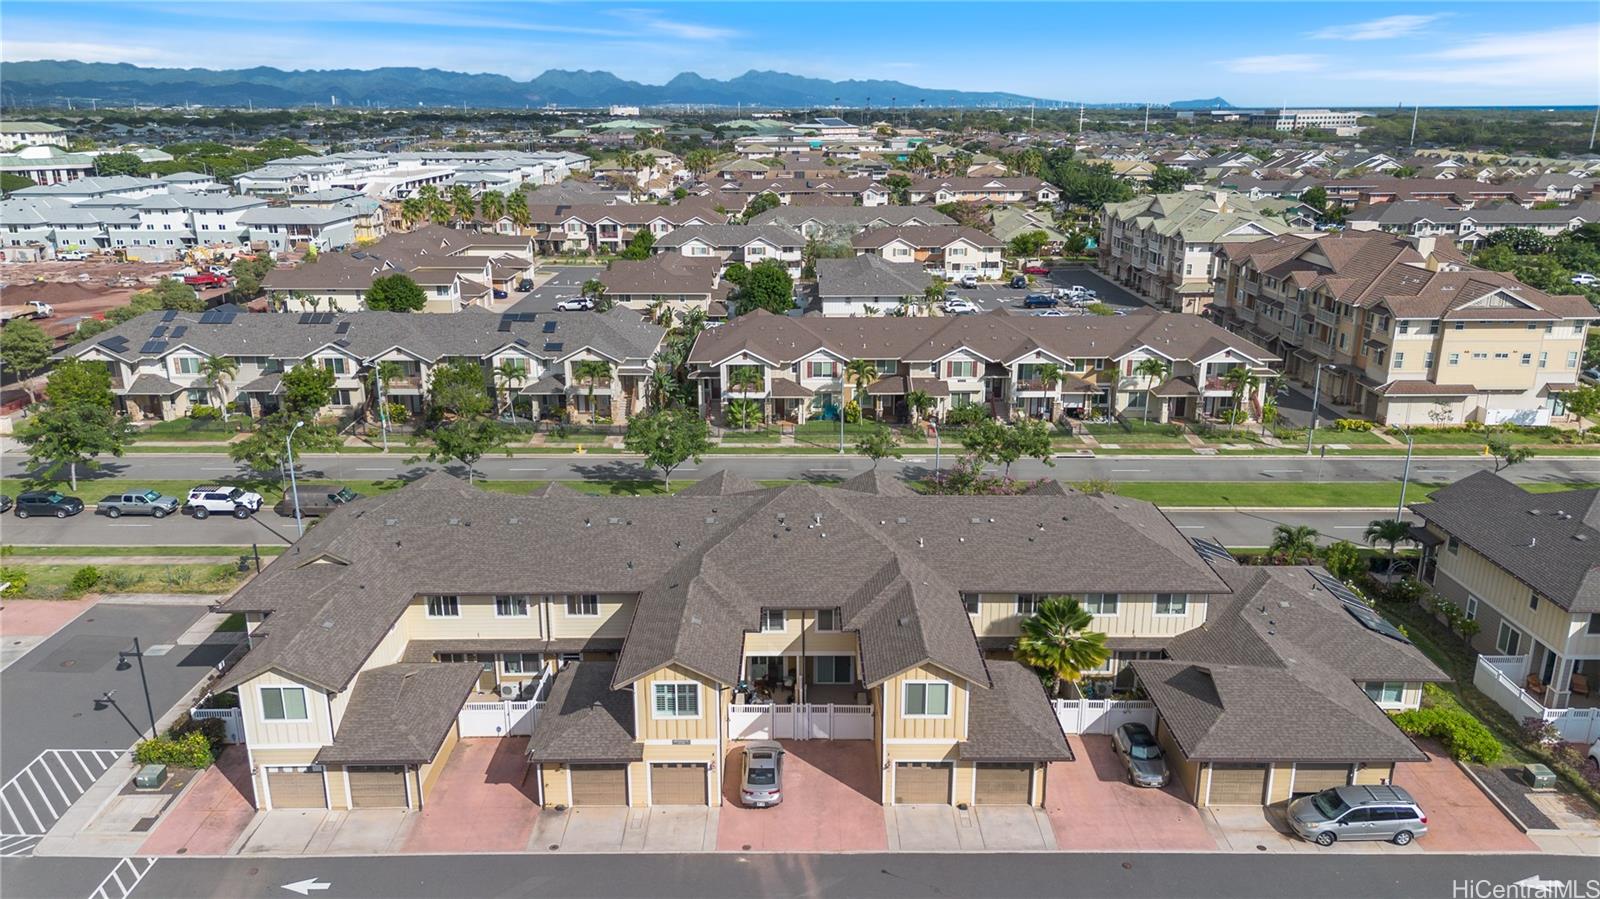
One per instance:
(959, 306)
(1019, 282)
(1592, 375)
(1585, 279)
(1040, 301)
(501, 294)
(1141, 755)
(761, 784)
(205, 280)
(1035, 270)
(525, 285)
(1078, 290)
(969, 281)
(1383, 812)
(1594, 751)
(138, 502)
(315, 502)
(235, 501)
(47, 502)
(5, 503)
(72, 256)
(1052, 313)
(574, 304)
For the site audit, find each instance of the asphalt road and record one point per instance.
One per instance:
(566, 283)
(713, 876)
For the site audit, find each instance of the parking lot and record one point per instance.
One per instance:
(989, 297)
(556, 282)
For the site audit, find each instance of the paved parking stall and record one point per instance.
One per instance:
(1093, 807)
(484, 800)
(37, 796)
(830, 801)
(1461, 817)
(212, 815)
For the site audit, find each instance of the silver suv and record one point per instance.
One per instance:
(1358, 813)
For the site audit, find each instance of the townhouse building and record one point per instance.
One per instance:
(1403, 330)
(47, 165)
(647, 638)
(948, 251)
(1470, 227)
(1014, 189)
(584, 228)
(868, 284)
(744, 244)
(999, 361)
(155, 359)
(837, 224)
(1164, 246)
(1529, 575)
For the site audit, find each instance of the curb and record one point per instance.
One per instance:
(1498, 803)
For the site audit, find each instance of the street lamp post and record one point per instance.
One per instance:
(1316, 398)
(294, 490)
(1405, 476)
(938, 444)
(122, 665)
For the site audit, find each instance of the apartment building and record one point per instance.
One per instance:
(155, 359)
(1164, 246)
(31, 134)
(653, 635)
(682, 282)
(744, 244)
(996, 360)
(1018, 189)
(47, 165)
(1528, 572)
(1469, 227)
(1402, 329)
(1341, 123)
(948, 251)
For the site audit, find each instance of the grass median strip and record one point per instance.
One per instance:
(90, 552)
(58, 581)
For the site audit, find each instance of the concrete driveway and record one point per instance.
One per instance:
(482, 802)
(1093, 807)
(1461, 818)
(944, 828)
(830, 802)
(212, 815)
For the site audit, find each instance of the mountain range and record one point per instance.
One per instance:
(48, 81)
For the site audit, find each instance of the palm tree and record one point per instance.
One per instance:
(1387, 530)
(746, 378)
(1056, 641)
(1293, 544)
(384, 374)
(1154, 371)
(1243, 381)
(517, 209)
(659, 312)
(920, 404)
(218, 371)
(412, 210)
(591, 372)
(462, 207)
(1049, 375)
(493, 205)
(507, 374)
(435, 208)
(862, 372)
(933, 294)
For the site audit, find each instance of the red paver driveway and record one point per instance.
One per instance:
(212, 815)
(484, 800)
(830, 802)
(1092, 806)
(1460, 817)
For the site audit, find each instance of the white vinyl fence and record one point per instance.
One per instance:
(800, 721)
(1102, 716)
(232, 722)
(1498, 677)
(498, 719)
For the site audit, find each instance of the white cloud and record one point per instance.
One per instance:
(86, 51)
(651, 20)
(1276, 65)
(1376, 29)
(1552, 63)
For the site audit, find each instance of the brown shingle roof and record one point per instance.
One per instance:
(584, 720)
(400, 714)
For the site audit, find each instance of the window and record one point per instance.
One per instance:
(677, 700)
(1572, 359)
(827, 619)
(1594, 623)
(1471, 608)
(1527, 359)
(1427, 361)
(926, 699)
(185, 365)
(1172, 603)
(1399, 360)
(961, 369)
(834, 670)
(1544, 359)
(1508, 640)
(197, 395)
(511, 606)
(822, 368)
(1502, 355)
(342, 397)
(1402, 327)
(1386, 692)
(1101, 603)
(284, 704)
(444, 607)
(583, 605)
(1533, 602)
(1027, 603)
(1459, 326)
(774, 621)
(335, 365)
(520, 662)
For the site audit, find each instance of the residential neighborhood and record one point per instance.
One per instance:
(692, 450)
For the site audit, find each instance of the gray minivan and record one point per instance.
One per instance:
(1381, 812)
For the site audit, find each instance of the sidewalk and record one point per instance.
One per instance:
(25, 623)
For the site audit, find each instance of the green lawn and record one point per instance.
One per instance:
(52, 581)
(1353, 438)
(753, 435)
(199, 429)
(1347, 494)
(1134, 431)
(89, 552)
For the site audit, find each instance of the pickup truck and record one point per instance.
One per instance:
(315, 503)
(206, 279)
(30, 309)
(148, 502)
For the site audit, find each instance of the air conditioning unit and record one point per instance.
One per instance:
(510, 691)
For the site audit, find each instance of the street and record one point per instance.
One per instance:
(711, 876)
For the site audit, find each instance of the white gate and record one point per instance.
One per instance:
(232, 722)
(802, 721)
(1102, 716)
(498, 719)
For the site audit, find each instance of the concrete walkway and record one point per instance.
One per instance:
(661, 828)
(945, 828)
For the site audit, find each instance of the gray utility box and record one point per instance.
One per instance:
(150, 777)
(1538, 776)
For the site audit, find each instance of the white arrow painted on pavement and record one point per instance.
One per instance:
(304, 887)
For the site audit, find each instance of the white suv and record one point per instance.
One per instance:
(233, 501)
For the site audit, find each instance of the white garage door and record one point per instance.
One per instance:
(1238, 784)
(299, 787)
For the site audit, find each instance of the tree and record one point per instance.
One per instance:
(396, 293)
(933, 294)
(1522, 241)
(66, 435)
(109, 164)
(878, 443)
(992, 441)
(1293, 544)
(766, 286)
(306, 389)
(1316, 198)
(462, 207)
(413, 209)
(1057, 643)
(1387, 530)
(1505, 452)
(667, 438)
(746, 379)
(591, 372)
(517, 208)
(899, 185)
(639, 245)
(920, 403)
(168, 294)
(247, 275)
(493, 205)
(509, 374)
(218, 373)
(862, 372)
(1166, 179)
(921, 159)
(458, 390)
(466, 440)
(1028, 243)
(1242, 381)
(1343, 560)
(761, 203)
(1583, 402)
(25, 349)
(594, 289)
(699, 162)
(1154, 370)
(76, 382)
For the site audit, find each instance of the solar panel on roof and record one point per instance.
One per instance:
(115, 344)
(341, 342)
(520, 341)
(329, 318)
(505, 327)
(153, 346)
(308, 318)
(169, 315)
(160, 331)
(550, 327)
(553, 347)
(211, 317)
(1337, 588)
(344, 328)
(1211, 550)
(179, 331)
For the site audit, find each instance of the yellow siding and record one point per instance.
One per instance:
(430, 771)
(1186, 771)
(1549, 624)
(1375, 773)
(317, 730)
(1136, 617)
(919, 752)
(800, 635)
(616, 612)
(477, 621)
(554, 784)
(703, 727)
(899, 727)
(262, 758)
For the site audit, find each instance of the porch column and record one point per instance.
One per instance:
(1558, 692)
(1166, 409)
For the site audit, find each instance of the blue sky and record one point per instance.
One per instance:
(1254, 53)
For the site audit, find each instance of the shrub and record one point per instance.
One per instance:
(192, 750)
(1343, 559)
(214, 731)
(15, 580)
(84, 579)
(117, 580)
(1289, 435)
(397, 413)
(1540, 732)
(1463, 736)
(177, 576)
(205, 413)
(1351, 424)
(965, 415)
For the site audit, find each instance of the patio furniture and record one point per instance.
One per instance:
(1534, 686)
(1580, 684)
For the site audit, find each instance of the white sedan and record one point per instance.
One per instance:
(1584, 279)
(574, 304)
(959, 306)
